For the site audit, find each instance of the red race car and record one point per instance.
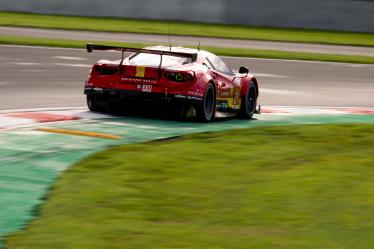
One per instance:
(193, 81)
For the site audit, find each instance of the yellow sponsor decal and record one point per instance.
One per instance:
(232, 103)
(229, 101)
(239, 103)
(140, 71)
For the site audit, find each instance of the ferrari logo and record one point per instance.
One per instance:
(140, 72)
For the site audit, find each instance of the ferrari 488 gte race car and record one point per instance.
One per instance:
(189, 80)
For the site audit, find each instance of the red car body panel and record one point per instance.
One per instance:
(122, 75)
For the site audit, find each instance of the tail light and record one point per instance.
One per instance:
(180, 76)
(97, 69)
(104, 69)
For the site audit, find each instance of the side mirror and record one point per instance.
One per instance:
(243, 70)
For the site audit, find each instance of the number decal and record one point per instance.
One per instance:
(147, 88)
(140, 71)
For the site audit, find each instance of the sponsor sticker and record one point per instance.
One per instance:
(140, 71)
(225, 93)
(147, 88)
(195, 93)
(137, 80)
(222, 104)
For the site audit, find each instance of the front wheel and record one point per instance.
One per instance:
(249, 102)
(207, 109)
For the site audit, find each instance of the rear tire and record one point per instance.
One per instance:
(91, 102)
(249, 102)
(206, 111)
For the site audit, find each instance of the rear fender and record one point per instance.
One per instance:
(245, 84)
(203, 80)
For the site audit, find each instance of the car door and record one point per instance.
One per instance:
(228, 92)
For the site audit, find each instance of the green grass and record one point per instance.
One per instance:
(21, 40)
(309, 186)
(185, 28)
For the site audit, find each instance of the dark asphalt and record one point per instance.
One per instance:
(33, 77)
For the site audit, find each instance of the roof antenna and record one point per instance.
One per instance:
(198, 47)
(169, 38)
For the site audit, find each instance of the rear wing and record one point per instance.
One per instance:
(92, 47)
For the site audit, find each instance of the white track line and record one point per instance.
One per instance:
(72, 65)
(320, 107)
(40, 47)
(267, 75)
(263, 59)
(70, 58)
(26, 63)
(302, 61)
(280, 92)
(43, 109)
(2, 83)
(83, 108)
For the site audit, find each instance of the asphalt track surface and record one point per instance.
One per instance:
(187, 40)
(34, 77)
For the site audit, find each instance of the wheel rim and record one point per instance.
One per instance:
(251, 100)
(209, 103)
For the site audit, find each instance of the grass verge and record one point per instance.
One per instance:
(237, 52)
(296, 187)
(185, 28)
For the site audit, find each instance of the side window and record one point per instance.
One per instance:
(219, 65)
(207, 64)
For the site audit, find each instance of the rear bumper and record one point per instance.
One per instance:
(117, 94)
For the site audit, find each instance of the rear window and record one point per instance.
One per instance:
(153, 60)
